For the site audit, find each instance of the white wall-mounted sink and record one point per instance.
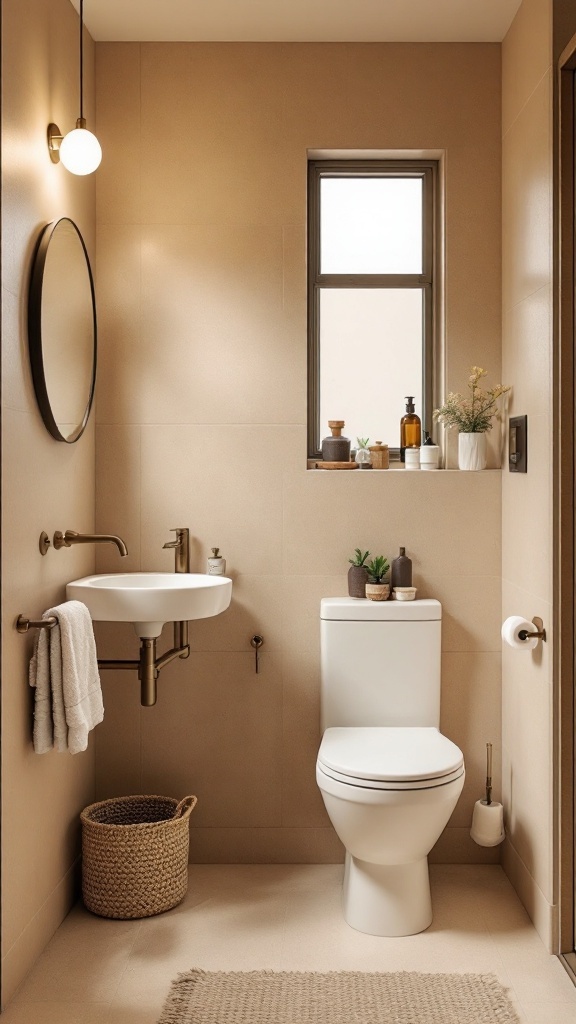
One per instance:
(149, 599)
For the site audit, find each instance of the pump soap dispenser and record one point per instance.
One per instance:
(410, 429)
(216, 564)
(429, 453)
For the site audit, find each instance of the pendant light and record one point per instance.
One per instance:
(79, 150)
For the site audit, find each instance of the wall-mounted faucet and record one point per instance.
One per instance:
(66, 540)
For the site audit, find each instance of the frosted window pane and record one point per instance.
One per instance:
(370, 358)
(371, 226)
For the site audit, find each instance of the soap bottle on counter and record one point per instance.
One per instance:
(216, 564)
(401, 570)
(410, 428)
(429, 453)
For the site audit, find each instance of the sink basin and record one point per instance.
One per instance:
(149, 599)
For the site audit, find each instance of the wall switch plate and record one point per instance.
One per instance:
(518, 444)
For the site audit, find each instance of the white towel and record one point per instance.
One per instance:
(64, 671)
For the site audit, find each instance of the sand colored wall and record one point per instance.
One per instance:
(201, 280)
(46, 485)
(527, 80)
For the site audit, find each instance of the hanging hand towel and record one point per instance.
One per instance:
(39, 677)
(64, 670)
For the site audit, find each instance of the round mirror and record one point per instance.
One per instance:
(62, 330)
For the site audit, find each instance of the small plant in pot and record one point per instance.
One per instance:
(363, 453)
(376, 588)
(358, 574)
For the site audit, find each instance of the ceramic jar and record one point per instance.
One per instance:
(401, 573)
(336, 448)
(412, 458)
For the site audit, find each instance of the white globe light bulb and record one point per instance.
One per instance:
(80, 151)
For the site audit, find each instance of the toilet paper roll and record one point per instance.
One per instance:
(511, 628)
(488, 823)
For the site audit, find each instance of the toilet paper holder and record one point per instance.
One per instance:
(540, 633)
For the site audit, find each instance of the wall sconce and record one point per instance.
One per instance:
(79, 150)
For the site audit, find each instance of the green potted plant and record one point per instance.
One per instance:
(376, 587)
(358, 574)
(473, 416)
(362, 456)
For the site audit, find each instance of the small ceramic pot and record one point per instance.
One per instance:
(377, 591)
(362, 456)
(357, 579)
(471, 451)
(405, 593)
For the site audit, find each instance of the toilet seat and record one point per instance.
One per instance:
(390, 758)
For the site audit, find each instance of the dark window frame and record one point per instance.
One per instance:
(428, 171)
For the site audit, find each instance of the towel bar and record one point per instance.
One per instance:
(23, 624)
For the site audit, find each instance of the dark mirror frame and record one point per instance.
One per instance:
(35, 333)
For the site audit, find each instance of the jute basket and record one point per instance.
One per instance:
(135, 855)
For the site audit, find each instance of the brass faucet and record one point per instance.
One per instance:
(181, 549)
(66, 540)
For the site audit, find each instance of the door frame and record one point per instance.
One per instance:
(563, 496)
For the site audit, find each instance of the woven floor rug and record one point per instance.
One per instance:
(339, 997)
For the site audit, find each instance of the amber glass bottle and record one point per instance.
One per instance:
(410, 429)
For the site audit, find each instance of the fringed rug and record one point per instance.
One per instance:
(339, 997)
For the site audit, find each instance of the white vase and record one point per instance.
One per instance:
(471, 451)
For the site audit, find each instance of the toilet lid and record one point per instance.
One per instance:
(389, 754)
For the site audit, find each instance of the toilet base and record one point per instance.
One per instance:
(387, 899)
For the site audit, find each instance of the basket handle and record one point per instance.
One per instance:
(185, 807)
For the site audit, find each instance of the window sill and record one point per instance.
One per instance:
(315, 464)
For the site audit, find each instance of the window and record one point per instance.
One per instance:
(371, 229)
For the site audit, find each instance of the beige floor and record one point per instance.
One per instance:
(286, 917)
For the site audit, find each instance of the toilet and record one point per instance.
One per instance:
(388, 777)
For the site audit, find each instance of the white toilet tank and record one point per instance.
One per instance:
(380, 662)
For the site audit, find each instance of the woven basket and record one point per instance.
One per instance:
(135, 855)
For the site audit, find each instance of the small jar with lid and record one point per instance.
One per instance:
(379, 455)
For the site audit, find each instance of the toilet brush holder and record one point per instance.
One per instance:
(488, 816)
(488, 823)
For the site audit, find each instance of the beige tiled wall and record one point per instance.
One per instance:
(46, 485)
(202, 407)
(527, 77)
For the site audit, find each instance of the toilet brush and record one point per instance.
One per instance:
(488, 817)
